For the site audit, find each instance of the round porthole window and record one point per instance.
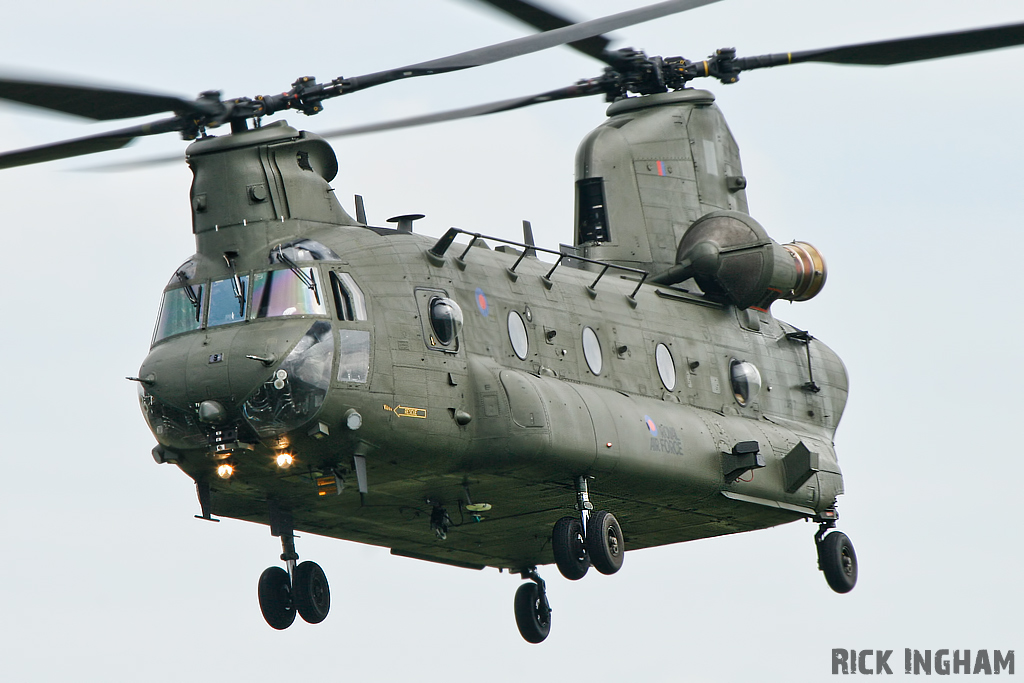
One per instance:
(592, 350)
(517, 335)
(746, 381)
(445, 320)
(666, 366)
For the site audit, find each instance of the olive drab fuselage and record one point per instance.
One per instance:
(397, 379)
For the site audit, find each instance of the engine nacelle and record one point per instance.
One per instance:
(730, 256)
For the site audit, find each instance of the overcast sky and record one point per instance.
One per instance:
(907, 179)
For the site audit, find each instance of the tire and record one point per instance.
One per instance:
(275, 593)
(605, 544)
(533, 616)
(569, 548)
(312, 593)
(838, 561)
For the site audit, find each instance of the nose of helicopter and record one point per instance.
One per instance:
(271, 374)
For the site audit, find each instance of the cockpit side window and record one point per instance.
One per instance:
(180, 311)
(348, 298)
(285, 292)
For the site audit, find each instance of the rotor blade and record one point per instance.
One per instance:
(102, 142)
(526, 45)
(544, 20)
(99, 104)
(899, 50)
(582, 89)
(136, 165)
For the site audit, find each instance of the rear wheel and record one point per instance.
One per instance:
(569, 548)
(838, 561)
(605, 544)
(533, 616)
(275, 593)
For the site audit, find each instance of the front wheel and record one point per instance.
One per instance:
(533, 616)
(275, 593)
(605, 544)
(312, 593)
(838, 561)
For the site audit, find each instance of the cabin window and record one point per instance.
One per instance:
(348, 298)
(180, 311)
(666, 366)
(291, 291)
(592, 350)
(445, 320)
(517, 335)
(746, 381)
(353, 355)
(227, 301)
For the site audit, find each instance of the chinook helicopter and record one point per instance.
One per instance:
(316, 373)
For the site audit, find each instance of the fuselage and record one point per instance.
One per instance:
(510, 425)
(376, 385)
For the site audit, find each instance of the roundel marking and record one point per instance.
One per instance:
(651, 425)
(481, 302)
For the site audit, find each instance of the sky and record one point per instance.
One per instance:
(906, 178)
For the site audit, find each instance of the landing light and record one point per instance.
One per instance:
(225, 471)
(284, 460)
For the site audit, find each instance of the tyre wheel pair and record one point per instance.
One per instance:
(280, 599)
(603, 547)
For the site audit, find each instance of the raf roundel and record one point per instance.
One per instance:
(481, 302)
(651, 425)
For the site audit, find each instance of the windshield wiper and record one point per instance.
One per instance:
(307, 280)
(189, 292)
(236, 282)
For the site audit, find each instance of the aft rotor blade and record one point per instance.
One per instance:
(99, 104)
(526, 45)
(900, 50)
(543, 19)
(102, 142)
(579, 90)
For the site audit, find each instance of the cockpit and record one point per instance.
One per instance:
(292, 285)
(270, 380)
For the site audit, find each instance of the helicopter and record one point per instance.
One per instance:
(292, 259)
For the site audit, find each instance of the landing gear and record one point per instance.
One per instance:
(593, 538)
(604, 542)
(836, 558)
(275, 591)
(302, 588)
(312, 594)
(533, 613)
(569, 546)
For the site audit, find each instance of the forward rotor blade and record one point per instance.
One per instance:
(583, 89)
(899, 50)
(527, 44)
(136, 165)
(102, 142)
(99, 104)
(543, 19)
(904, 50)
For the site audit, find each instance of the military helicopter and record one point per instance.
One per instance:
(279, 379)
